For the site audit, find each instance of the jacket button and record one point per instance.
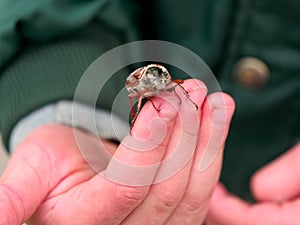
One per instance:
(251, 72)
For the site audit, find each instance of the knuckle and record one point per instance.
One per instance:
(130, 196)
(166, 201)
(194, 204)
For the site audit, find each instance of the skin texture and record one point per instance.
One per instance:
(276, 189)
(48, 180)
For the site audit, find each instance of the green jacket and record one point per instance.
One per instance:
(45, 46)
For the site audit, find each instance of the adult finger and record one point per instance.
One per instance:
(165, 195)
(222, 204)
(116, 192)
(215, 119)
(139, 155)
(278, 181)
(228, 209)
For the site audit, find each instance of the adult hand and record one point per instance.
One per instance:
(276, 188)
(48, 181)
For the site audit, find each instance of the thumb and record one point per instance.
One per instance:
(23, 186)
(279, 180)
(39, 163)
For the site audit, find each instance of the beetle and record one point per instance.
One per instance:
(149, 81)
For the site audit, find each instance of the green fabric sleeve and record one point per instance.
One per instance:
(46, 46)
(40, 20)
(44, 73)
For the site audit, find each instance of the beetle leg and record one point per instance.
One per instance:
(139, 106)
(133, 114)
(187, 95)
(154, 106)
(178, 81)
(177, 96)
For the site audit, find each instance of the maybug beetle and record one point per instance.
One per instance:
(149, 81)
